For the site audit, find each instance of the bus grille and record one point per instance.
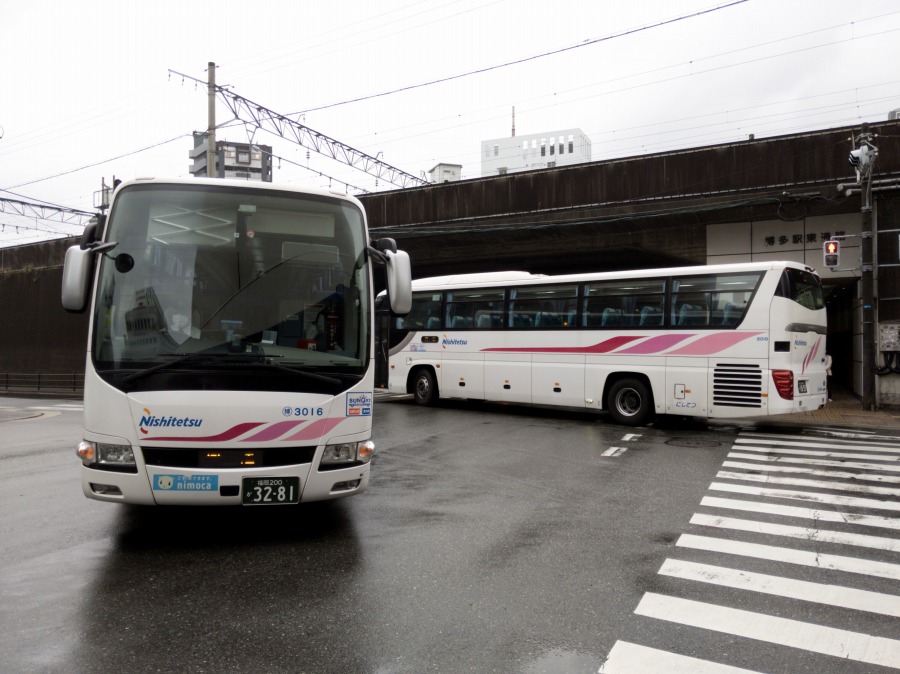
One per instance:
(737, 385)
(177, 457)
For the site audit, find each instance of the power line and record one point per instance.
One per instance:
(104, 161)
(479, 71)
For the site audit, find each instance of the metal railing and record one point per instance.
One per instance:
(30, 382)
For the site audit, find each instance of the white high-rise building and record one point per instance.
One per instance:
(534, 151)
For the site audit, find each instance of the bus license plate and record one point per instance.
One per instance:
(801, 386)
(270, 490)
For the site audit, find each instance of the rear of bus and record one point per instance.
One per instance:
(797, 349)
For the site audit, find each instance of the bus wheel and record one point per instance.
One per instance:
(630, 403)
(424, 387)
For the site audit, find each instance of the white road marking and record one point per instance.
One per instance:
(772, 629)
(797, 482)
(813, 534)
(614, 451)
(769, 444)
(806, 513)
(791, 556)
(832, 595)
(828, 454)
(56, 408)
(799, 470)
(629, 437)
(816, 462)
(628, 658)
(808, 496)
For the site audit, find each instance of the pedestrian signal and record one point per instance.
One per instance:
(831, 251)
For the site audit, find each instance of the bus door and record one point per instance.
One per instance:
(382, 345)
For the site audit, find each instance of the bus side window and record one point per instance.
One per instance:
(651, 315)
(611, 317)
(731, 314)
(691, 314)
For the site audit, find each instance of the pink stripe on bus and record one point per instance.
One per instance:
(711, 344)
(274, 431)
(655, 344)
(601, 347)
(315, 429)
(230, 434)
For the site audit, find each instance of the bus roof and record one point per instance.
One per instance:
(525, 278)
(242, 184)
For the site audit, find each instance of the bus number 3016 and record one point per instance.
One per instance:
(270, 491)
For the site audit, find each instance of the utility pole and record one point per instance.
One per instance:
(262, 118)
(863, 159)
(211, 120)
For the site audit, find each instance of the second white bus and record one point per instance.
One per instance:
(724, 341)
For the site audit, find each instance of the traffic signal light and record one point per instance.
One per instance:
(831, 251)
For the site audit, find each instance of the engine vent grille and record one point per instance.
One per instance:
(737, 385)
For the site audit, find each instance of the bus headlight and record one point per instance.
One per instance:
(348, 452)
(105, 454)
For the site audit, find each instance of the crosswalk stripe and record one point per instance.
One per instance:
(791, 556)
(816, 462)
(832, 595)
(772, 629)
(798, 482)
(815, 535)
(883, 442)
(806, 513)
(828, 454)
(799, 470)
(797, 444)
(629, 658)
(832, 435)
(808, 496)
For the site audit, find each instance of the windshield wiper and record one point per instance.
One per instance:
(324, 378)
(197, 357)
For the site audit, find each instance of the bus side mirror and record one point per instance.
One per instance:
(76, 278)
(399, 281)
(77, 268)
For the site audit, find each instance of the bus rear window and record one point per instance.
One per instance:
(802, 287)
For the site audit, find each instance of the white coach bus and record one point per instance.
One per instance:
(231, 343)
(723, 341)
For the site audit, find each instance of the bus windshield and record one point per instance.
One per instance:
(228, 289)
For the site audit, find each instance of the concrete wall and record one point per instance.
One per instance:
(37, 334)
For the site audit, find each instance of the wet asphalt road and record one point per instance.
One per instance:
(491, 539)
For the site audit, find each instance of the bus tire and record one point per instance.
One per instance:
(424, 389)
(630, 402)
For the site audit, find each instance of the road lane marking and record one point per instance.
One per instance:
(808, 496)
(629, 658)
(810, 452)
(791, 556)
(798, 482)
(831, 595)
(802, 470)
(816, 462)
(614, 451)
(772, 629)
(886, 449)
(813, 534)
(806, 513)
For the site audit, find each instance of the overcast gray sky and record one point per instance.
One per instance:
(87, 94)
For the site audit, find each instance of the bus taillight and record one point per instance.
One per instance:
(784, 383)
